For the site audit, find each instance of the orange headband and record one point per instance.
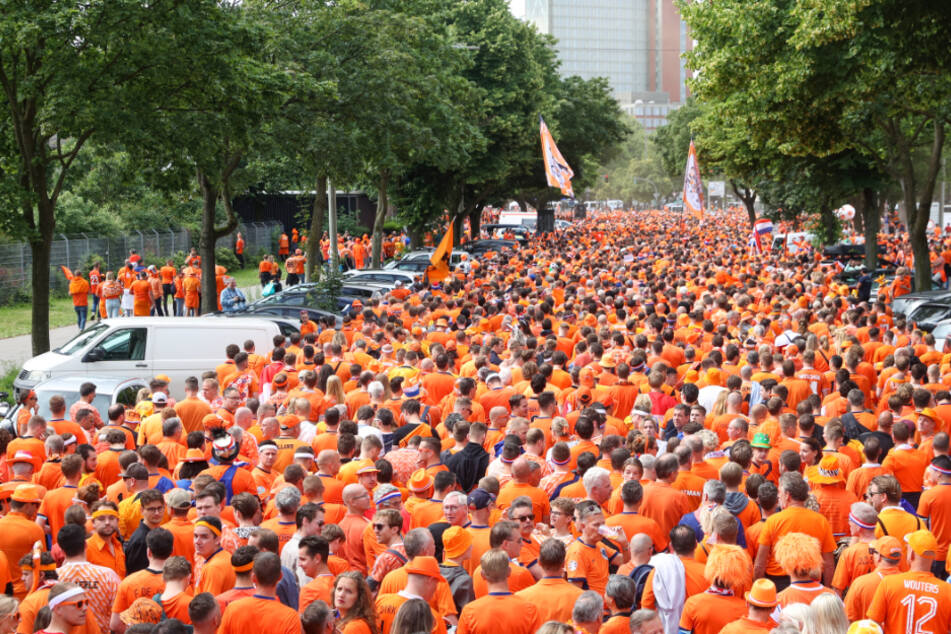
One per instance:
(101, 512)
(41, 567)
(210, 527)
(245, 568)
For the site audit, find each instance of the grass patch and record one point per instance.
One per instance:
(16, 319)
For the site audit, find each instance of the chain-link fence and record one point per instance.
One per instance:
(153, 245)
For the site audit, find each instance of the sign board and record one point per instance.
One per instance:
(716, 188)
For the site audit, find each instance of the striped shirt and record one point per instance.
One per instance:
(100, 583)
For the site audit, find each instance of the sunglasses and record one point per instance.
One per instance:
(525, 518)
(79, 604)
(379, 527)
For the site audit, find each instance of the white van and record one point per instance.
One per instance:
(143, 347)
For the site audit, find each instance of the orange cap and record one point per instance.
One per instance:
(762, 594)
(26, 494)
(923, 542)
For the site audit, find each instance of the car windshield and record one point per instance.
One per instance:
(929, 312)
(81, 340)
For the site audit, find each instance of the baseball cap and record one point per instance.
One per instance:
(888, 547)
(178, 499)
(423, 565)
(159, 397)
(455, 541)
(142, 610)
(922, 542)
(480, 499)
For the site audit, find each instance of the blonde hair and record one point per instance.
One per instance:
(8, 605)
(826, 615)
(335, 389)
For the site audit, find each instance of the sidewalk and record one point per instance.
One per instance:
(15, 350)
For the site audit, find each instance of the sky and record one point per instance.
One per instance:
(517, 6)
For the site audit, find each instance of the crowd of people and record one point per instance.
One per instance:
(631, 425)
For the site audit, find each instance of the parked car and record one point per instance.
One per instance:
(109, 390)
(384, 276)
(483, 246)
(906, 303)
(146, 346)
(423, 257)
(521, 232)
(927, 316)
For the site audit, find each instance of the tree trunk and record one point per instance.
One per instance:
(871, 224)
(318, 212)
(206, 244)
(919, 211)
(748, 196)
(416, 236)
(332, 226)
(40, 249)
(381, 207)
(475, 220)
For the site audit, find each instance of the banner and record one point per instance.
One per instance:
(438, 268)
(693, 187)
(556, 167)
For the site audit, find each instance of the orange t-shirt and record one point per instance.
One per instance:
(487, 613)
(633, 523)
(79, 289)
(935, 505)
(553, 597)
(795, 519)
(321, 587)
(801, 592)
(216, 575)
(19, 535)
(862, 591)
(144, 583)
(918, 598)
(665, 505)
(387, 605)
(589, 563)
(908, 466)
(854, 562)
(708, 613)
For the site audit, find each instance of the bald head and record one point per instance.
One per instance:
(521, 469)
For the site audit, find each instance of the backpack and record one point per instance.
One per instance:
(639, 575)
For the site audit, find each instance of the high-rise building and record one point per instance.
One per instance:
(636, 44)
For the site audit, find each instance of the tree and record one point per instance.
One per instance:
(218, 119)
(817, 79)
(70, 72)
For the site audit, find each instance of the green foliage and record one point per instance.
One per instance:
(329, 287)
(820, 81)
(226, 258)
(350, 223)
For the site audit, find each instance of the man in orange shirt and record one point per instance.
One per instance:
(589, 556)
(145, 583)
(552, 595)
(632, 522)
(20, 532)
(484, 615)
(856, 559)
(423, 577)
(521, 484)
(916, 597)
(663, 503)
(728, 569)
(935, 508)
(886, 555)
(191, 410)
(357, 500)
(79, 290)
(795, 517)
(141, 295)
(216, 574)
(103, 547)
(287, 501)
(906, 463)
(312, 554)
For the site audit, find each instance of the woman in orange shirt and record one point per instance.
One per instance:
(141, 296)
(111, 294)
(353, 601)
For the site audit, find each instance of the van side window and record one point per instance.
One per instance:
(127, 344)
(127, 395)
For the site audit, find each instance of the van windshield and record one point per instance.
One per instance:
(79, 341)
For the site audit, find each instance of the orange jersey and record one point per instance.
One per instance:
(912, 602)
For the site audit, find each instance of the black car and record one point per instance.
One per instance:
(483, 246)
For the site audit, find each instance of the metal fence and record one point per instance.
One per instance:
(76, 250)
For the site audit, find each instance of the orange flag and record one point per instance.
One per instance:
(438, 268)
